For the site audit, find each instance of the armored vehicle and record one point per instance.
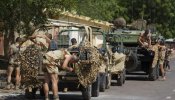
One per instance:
(137, 58)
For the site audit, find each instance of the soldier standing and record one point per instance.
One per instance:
(162, 50)
(53, 45)
(167, 59)
(13, 64)
(51, 70)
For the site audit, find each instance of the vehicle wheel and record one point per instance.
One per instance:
(124, 75)
(154, 73)
(131, 64)
(102, 82)
(108, 80)
(86, 92)
(96, 87)
(157, 71)
(120, 79)
(30, 93)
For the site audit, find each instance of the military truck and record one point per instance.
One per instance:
(138, 58)
(86, 62)
(116, 61)
(99, 43)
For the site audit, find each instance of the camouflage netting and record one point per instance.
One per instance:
(139, 24)
(87, 70)
(30, 62)
(118, 62)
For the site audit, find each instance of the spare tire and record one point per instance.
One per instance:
(131, 63)
(86, 92)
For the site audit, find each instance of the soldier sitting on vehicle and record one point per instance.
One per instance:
(51, 62)
(145, 39)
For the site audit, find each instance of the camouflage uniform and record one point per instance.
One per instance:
(145, 40)
(15, 53)
(50, 61)
(162, 55)
(118, 62)
(155, 48)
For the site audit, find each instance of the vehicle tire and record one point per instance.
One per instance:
(154, 73)
(96, 87)
(157, 71)
(108, 80)
(120, 79)
(131, 64)
(86, 92)
(30, 93)
(102, 82)
(124, 75)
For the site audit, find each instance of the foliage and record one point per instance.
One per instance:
(103, 9)
(158, 12)
(25, 15)
(20, 14)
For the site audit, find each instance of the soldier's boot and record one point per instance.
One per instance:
(8, 87)
(164, 77)
(56, 98)
(17, 86)
(12, 86)
(65, 89)
(46, 98)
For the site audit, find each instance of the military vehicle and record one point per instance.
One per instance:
(89, 63)
(103, 78)
(116, 60)
(138, 58)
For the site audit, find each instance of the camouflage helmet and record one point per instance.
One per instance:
(119, 22)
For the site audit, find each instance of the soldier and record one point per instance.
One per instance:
(74, 41)
(167, 59)
(73, 48)
(162, 50)
(51, 69)
(42, 41)
(53, 45)
(13, 64)
(74, 45)
(145, 39)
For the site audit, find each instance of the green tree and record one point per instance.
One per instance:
(99, 9)
(25, 15)
(158, 12)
